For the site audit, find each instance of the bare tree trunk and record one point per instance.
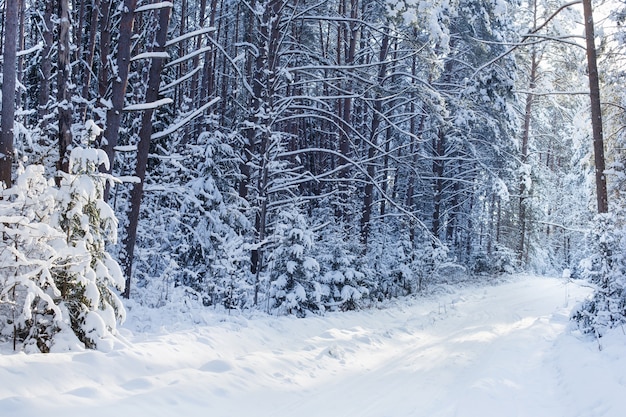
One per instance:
(524, 156)
(438, 169)
(46, 64)
(8, 91)
(105, 50)
(143, 147)
(386, 156)
(79, 11)
(120, 80)
(250, 73)
(20, 47)
(265, 70)
(415, 130)
(596, 111)
(91, 50)
(210, 69)
(195, 63)
(490, 226)
(64, 91)
(350, 35)
(179, 91)
(439, 162)
(371, 153)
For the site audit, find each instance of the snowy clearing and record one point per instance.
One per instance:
(478, 351)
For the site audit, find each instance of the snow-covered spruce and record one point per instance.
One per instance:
(195, 247)
(88, 274)
(344, 279)
(29, 314)
(293, 278)
(57, 279)
(605, 267)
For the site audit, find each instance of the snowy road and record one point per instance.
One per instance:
(497, 351)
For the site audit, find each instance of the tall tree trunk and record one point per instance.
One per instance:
(91, 51)
(368, 198)
(194, 92)
(351, 34)
(438, 169)
(8, 90)
(179, 91)
(105, 50)
(534, 64)
(596, 111)
(416, 130)
(46, 63)
(143, 148)
(20, 47)
(250, 74)
(64, 90)
(265, 70)
(120, 80)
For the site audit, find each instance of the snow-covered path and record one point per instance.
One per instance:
(491, 351)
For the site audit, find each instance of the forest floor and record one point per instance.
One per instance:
(503, 350)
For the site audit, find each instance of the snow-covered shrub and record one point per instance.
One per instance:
(343, 281)
(397, 273)
(87, 273)
(501, 260)
(294, 274)
(450, 272)
(56, 276)
(229, 285)
(29, 313)
(199, 225)
(392, 259)
(605, 267)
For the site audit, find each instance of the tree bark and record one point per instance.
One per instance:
(46, 64)
(105, 50)
(596, 111)
(368, 198)
(438, 169)
(265, 70)
(91, 50)
(350, 36)
(8, 91)
(120, 80)
(64, 97)
(143, 148)
(524, 156)
(249, 21)
(20, 47)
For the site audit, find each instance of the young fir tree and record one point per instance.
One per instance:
(56, 290)
(87, 275)
(199, 222)
(294, 286)
(29, 314)
(606, 268)
(344, 278)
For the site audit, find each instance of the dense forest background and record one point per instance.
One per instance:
(298, 156)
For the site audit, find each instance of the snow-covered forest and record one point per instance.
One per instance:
(302, 157)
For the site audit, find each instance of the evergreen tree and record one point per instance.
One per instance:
(87, 274)
(294, 274)
(58, 279)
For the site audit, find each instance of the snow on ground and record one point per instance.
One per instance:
(499, 351)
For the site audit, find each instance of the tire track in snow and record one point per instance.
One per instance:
(485, 357)
(479, 352)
